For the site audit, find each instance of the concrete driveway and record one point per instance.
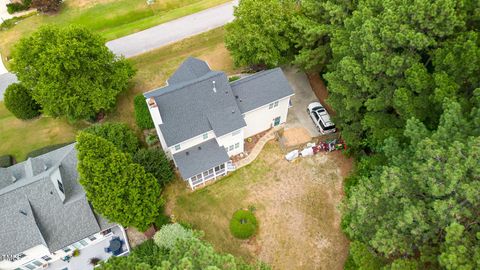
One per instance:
(297, 115)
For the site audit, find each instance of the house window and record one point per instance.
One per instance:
(270, 106)
(46, 258)
(37, 263)
(67, 249)
(237, 145)
(83, 242)
(29, 266)
(177, 147)
(275, 104)
(205, 136)
(21, 255)
(235, 133)
(230, 148)
(92, 238)
(60, 186)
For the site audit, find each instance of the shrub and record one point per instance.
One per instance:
(161, 220)
(46, 149)
(20, 103)
(233, 78)
(151, 139)
(243, 224)
(117, 133)
(94, 261)
(76, 253)
(15, 7)
(6, 161)
(169, 234)
(47, 6)
(155, 162)
(142, 114)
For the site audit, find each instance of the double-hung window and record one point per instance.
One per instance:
(237, 145)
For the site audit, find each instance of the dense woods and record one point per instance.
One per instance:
(403, 78)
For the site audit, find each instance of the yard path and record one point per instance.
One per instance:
(257, 148)
(157, 36)
(173, 31)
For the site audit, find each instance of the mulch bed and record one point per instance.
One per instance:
(248, 146)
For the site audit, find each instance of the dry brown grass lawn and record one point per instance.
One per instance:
(297, 208)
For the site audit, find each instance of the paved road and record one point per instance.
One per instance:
(173, 31)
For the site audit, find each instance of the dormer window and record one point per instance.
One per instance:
(60, 186)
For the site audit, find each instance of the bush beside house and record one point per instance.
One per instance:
(6, 161)
(142, 114)
(18, 6)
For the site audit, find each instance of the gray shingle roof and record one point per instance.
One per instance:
(200, 158)
(32, 212)
(260, 89)
(191, 108)
(189, 70)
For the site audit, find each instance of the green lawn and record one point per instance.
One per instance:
(20, 137)
(111, 19)
(297, 208)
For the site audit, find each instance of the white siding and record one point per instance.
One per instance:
(192, 142)
(230, 139)
(157, 121)
(262, 118)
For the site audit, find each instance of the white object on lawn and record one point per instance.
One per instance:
(292, 155)
(307, 152)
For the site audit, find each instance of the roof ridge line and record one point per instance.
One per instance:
(256, 75)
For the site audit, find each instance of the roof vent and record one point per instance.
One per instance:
(233, 111)
(23, 212)
(214, 87)
(236, 96)
(199, 148)
(45, 167)
(14, 178)
(187, 153)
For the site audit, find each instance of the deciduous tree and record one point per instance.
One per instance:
(70, 71)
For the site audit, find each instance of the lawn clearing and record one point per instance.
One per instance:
(296, 208)
(18, 137)
(111, 19)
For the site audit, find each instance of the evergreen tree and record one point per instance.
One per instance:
(118, 189)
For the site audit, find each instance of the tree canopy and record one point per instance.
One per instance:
(403, 80)
(70, 71)
(184, 253)
(155, 162)
(119, 134)
(259, 34)
(118, 188)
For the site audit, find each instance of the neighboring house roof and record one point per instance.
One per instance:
(260, 89)
(200, 158)
(32, 211)
(189, 105)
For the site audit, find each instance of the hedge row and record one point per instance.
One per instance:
(142, 114)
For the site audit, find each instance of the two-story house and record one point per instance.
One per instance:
(45, 219)
(202, 119)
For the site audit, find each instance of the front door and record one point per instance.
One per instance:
(276, 121)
